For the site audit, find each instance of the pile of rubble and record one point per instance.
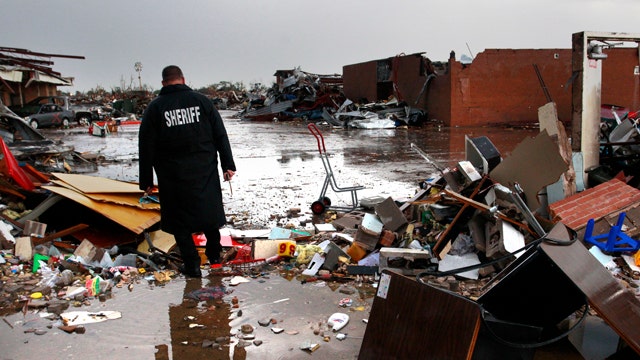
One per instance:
(312, 97)
(462, 232)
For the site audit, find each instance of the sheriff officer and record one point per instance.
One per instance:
(181, 136)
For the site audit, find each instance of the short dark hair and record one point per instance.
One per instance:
(171, 72)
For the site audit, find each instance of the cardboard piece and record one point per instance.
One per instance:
(87, 251)
(94, 184)
(132, 218)
(324, 227)
(314, 266)
(160, 240)
(34, 228)
(23, 249)
(534, 164)
(263, 249)
(452, 262)
(469, 171)
(390, 214)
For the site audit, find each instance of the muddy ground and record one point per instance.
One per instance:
(279, 165)
(278, 169)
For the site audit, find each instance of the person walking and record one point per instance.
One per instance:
(181, 136)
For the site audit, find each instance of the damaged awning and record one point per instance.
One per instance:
(11, 75)
(41, 77)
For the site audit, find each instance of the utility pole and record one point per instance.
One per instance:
(138, 67)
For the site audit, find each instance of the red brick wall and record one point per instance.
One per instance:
(360, 81)
(500, 86)
(594, 203)
(410, 77)
(439, 95)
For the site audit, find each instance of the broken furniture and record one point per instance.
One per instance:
(522, 309)
(615, 239)
(324, 203)
(412, 320)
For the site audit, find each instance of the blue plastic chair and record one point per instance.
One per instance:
(614, 241)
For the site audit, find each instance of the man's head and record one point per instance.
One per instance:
(172, 75)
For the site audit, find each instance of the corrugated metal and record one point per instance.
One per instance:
(42, 77)
(272, 109)
(11, 75)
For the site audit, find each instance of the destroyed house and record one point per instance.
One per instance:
(500, 86)
(286, 78)
(402, 76)
(26, 75)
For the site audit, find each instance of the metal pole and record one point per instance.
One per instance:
(138, 67)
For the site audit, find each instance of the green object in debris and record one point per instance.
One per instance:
(36, 261)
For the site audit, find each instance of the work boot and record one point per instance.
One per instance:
(213, 256)
(190, 271)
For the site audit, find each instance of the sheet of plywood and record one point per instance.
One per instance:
(95, 184)
(132, 218)
(411, 320)
(534, 164)
(130, 199)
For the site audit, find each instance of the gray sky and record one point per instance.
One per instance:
(248, 40)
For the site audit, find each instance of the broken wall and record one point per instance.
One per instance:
(10, 92)
(374, 80)
(501, 86)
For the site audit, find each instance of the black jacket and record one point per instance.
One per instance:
(180, 137)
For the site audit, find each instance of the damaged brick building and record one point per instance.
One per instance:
(25, 75)
(500, 86)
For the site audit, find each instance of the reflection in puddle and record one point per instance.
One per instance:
(199, 325)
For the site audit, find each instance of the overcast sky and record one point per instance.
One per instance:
(244, 40)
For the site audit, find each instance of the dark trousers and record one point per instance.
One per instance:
(188, 250)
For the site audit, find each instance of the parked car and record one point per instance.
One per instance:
(50, 115)
(23, 141)
(83, 113)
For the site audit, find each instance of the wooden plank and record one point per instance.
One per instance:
(417, 321)
(129, 199)
(94, 184)
(447, 233)
(481, 206)
(59, 234)
(41, 208)
(132, 218)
